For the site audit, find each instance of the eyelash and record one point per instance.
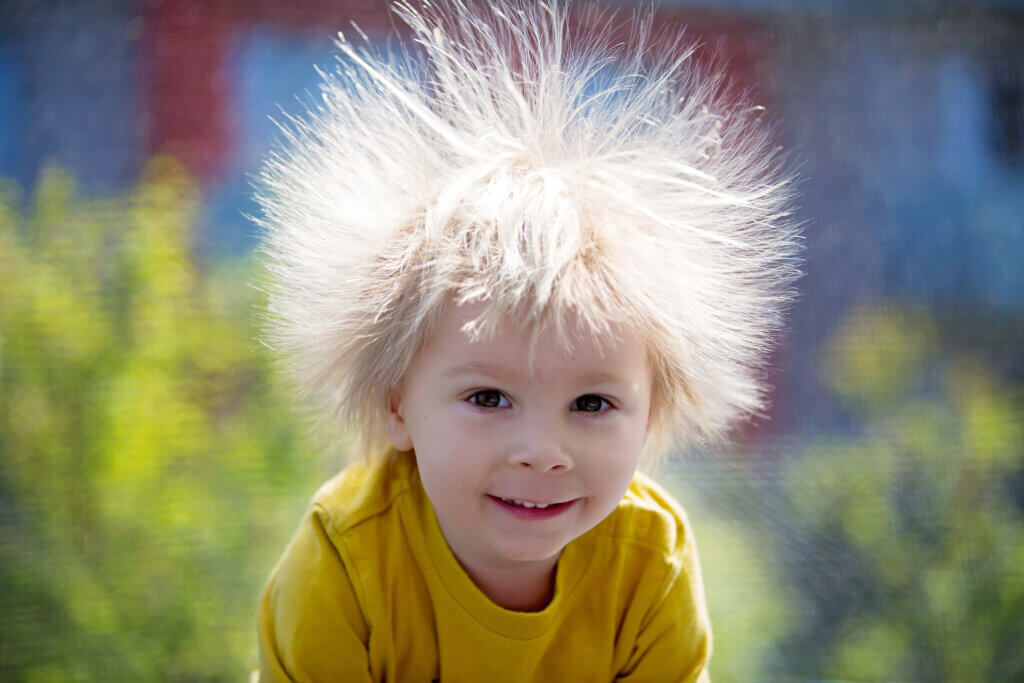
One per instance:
(489, 409)
(606, 405)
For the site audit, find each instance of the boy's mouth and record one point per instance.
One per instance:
(530, 510)
(525, 503)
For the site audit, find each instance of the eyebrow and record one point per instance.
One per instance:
(490, 369)
(496, 371)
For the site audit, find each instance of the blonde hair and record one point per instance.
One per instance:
(546, 171)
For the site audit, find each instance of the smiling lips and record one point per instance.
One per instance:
(527, 510)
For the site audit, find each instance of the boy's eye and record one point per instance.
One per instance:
(590, 404)
(489, 398)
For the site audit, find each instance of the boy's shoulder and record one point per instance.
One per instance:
(648, 516)
(363, 490)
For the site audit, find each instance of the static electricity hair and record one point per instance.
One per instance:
(542, 166)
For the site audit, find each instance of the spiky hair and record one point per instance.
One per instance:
(546, 168)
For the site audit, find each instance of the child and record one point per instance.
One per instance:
(514, 272)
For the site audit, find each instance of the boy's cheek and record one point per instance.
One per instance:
(467, 425)
(453, 441)
(612, 435)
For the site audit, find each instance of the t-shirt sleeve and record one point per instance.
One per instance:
(674, 644)
(311, 625)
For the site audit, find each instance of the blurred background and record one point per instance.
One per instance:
(151, 469)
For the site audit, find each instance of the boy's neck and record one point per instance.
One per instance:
(521, 589)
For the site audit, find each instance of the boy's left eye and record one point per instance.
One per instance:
(590, 404)
(489, 398)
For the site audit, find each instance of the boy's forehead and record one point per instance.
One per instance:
(513, 347)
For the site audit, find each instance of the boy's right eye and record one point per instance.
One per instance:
(489, 398)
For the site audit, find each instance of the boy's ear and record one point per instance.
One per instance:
(395, 425)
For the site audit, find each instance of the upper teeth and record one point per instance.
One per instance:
(523, 503)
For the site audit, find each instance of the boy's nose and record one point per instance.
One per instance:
(547, 461)
(543, 452)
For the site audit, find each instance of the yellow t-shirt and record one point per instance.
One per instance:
(368, 590)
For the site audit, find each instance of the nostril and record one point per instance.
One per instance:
(541, 462)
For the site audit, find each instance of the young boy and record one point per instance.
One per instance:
(514, 271)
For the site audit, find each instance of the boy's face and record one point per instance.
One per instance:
(488, 428)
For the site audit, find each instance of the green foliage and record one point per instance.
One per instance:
(748, 601)
(147, 464)
(911, 540)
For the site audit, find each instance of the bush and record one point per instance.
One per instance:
(149, 474)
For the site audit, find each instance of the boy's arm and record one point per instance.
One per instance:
(311, 627)
(675, 642)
